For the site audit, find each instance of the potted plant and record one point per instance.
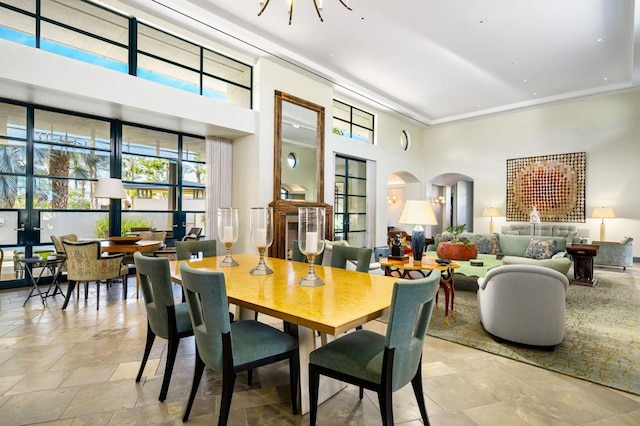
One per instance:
(454, 247)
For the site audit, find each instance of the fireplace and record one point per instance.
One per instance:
(285, 225)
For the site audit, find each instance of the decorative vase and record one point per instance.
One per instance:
(456, 251)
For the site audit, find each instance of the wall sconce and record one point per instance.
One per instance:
(438, 200)
(392, 200)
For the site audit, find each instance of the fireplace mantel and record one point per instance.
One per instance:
(284, 208)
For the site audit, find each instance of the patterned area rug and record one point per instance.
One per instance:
(602, 341)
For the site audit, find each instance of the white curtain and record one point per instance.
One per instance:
(219, 161)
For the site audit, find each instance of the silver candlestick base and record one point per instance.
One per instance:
(228, 260)
(311, 279)
(261, 268)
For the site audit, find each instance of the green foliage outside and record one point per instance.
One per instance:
(102, 225)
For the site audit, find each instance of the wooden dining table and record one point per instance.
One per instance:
(130, 247)
(346, 300)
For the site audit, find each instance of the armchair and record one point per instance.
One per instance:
(84, 264)
(614, 253)
(524, 304)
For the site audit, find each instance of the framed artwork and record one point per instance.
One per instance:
(554, 184)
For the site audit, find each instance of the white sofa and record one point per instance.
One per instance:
(524, 304)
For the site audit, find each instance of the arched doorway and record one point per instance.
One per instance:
(452, 197)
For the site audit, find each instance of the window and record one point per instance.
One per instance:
(352, 122)
(350, 205)
(85, 31)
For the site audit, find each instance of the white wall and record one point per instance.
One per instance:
(606, 127)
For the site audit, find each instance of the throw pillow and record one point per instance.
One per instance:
(488, 244)
(540, 249)
(572, 237)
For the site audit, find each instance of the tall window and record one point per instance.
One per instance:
(352, 122)
(350, 205)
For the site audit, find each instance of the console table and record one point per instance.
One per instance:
(583, 255)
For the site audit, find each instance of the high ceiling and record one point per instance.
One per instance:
(436, 61)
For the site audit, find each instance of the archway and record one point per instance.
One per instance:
(401, 186)
(452, 197)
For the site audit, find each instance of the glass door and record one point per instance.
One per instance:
(350, 205)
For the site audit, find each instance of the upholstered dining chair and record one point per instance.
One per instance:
(340, 255)
(230, 348)
(380, 363)
(85, 264)
(186, 250)
(165, 318)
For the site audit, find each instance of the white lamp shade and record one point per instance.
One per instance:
(418, 212)
(491, 212)
(110, 188)
(603, 213)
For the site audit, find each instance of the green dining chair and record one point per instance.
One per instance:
(380, 363)
(297, 255)
(230, 348)
(165, 318)
(186, 250)
(340, 255)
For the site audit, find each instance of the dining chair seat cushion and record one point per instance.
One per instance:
(253, 340)
(358, 354)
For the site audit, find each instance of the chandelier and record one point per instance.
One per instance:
(316, 3)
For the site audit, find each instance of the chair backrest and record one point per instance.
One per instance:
(409, 316)
(82, 259)
(1, 257)
(57, 241)
(186, 249)
(195, 231)
(155, 280)
(361, 256)
(153, 235)
(297, 255)
(206, 296)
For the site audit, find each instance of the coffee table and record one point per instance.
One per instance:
(403, 269)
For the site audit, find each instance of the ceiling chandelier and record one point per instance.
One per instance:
(316, 3)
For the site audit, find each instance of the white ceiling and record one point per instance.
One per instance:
(436, 61)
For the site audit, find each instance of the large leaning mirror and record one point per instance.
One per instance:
(299, 150)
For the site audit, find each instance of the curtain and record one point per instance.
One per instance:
(219, 153)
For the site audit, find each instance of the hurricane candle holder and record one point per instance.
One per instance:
(228, 232)
(311, 241)
(261, 231)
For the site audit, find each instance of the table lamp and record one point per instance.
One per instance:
(418, 212)
(491, 212)
(113, 189)
(603, 213)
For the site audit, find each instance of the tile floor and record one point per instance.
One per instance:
(78, 368)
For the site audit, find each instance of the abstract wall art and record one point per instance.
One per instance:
(555, 184)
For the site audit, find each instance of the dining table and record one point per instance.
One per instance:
(347, 299)
(131, 247)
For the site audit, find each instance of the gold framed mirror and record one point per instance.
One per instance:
(299, 134)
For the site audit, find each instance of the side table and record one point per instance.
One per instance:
(53, 264)
(583, 255)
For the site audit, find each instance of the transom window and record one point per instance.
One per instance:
(352, 122)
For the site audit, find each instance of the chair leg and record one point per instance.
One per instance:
(124, 288)
(86, 290)
(197, 375)
(151, 336)
(98, 295)
(228, 382)
(386, 406)
(416, 382)
(314, 383)
(70, 286)
(168, 369)
(294, 369)
(361, 392)
(250, 377)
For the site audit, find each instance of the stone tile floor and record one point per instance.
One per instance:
(78, 367)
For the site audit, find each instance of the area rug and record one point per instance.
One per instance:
(602, 341)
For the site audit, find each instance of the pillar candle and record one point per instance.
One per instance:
(312, 243)
(261, 237)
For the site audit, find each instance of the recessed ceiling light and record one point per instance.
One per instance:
(599, 40)
(606, 78)
(535, 93)
(525, 80)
